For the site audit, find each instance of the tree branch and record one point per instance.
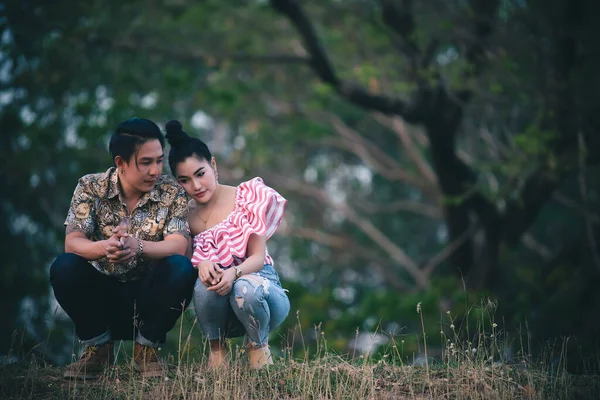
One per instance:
(429, 53)
(484, 12)
(392, 174)
(578, 208)
(364, 148)
(348, 245)
(386, 244)
(447, 251)
(443, 114)
(320, 63)
(400, 18)
(523, 211)
(351, 141)
(497, 150)
(317, 235)
(195, 55)
(583, 191)
(529, 241)
(363, 224)
(560, 116)
(397, 126)
(401, 205)
(377, 159)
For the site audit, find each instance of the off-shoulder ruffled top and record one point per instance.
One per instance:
(258, 209)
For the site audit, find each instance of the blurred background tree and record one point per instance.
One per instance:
(433, 151)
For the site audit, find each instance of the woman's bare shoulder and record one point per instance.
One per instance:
(196, 225)
(229, 188)
(192, 209)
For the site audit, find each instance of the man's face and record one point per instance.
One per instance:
(143, 176)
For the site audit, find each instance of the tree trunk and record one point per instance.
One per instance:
(477, 258)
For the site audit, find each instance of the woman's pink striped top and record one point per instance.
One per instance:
(258, 209)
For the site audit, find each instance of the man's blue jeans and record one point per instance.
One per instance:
(103, 308)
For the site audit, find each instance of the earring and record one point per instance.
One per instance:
(123, 170)
(217, 176)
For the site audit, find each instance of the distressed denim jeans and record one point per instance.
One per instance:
(256, 305)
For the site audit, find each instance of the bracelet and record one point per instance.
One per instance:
(140, 248)
(238, 273)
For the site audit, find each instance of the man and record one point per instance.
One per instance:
(124, 274)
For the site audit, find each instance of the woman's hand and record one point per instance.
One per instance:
(209, 273)
(224, 286)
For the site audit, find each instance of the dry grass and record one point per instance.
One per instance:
(471, 365)
(325, 377)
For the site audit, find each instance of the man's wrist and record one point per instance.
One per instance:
(100, 248)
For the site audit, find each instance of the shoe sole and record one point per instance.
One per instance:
(150, 374)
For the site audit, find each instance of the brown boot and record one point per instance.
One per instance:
(92, 362)
(147, 362)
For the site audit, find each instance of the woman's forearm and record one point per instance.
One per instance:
(252, 264)
(173, 244)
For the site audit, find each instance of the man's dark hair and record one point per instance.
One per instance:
(130, 135)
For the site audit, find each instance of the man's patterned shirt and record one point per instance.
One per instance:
(98, 206)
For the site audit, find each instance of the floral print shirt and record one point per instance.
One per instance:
(98, 206)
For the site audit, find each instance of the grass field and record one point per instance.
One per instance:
(469, 365)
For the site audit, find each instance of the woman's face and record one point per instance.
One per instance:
(144, 168)
(198, 178)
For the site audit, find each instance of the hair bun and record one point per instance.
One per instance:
(175, 134)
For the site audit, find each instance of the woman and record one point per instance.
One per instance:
(238, 291)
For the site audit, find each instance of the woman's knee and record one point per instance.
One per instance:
(259, 298)
(280, 308)
(205, 299)
(248, 295)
